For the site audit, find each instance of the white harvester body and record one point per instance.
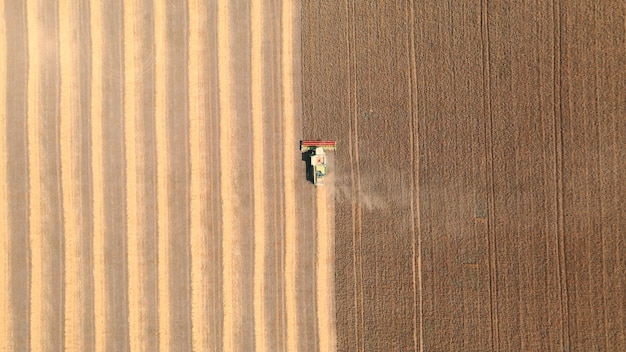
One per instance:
(318, 161)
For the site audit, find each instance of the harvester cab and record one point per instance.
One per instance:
(317, 165)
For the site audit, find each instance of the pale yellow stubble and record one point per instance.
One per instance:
(97, 172)
(231, 273)
(289, 146)
(132, 109)
(75, 297)
(258, 67)
(37, 314)
(199, 195)
(161, 53)
(325, 271)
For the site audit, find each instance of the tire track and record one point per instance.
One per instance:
(163, 232)
(291, 226)
(416, 241)
(493, 285)
(356, 180)
(257, 87)
(358, 194)
(358, 334)
(558, 177)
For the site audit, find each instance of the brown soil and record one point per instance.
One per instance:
(478, 171)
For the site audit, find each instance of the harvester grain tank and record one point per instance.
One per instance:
(318, 161)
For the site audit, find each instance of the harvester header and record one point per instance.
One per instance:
(307, 145)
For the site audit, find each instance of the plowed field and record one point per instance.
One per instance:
(479, 182)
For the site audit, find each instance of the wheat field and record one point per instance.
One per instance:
(152, 194)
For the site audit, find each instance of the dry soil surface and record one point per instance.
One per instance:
(479, 173)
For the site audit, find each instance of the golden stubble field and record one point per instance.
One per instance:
(478, 175)
(152, 194)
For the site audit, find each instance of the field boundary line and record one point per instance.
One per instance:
(358, 334)
(558, 140)
(493, 284)
(357, 166)
(416, 244)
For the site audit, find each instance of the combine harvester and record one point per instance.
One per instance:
(317, 167)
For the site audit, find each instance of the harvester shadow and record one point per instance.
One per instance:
(306, 157)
